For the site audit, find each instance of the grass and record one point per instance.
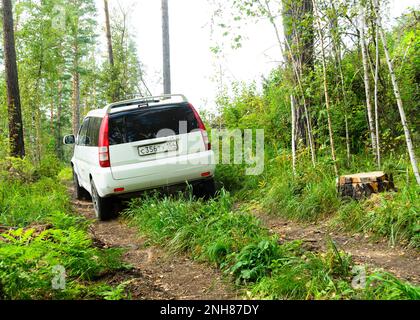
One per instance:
(38, 232)
(234, 240)
(392, 215)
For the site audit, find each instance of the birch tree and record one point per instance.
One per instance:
(336, 46)
(376, 77)
(410, 147)
(371, 121)
(293, 112)
(325, 83)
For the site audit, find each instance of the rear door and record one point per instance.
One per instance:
(80, 151)
(148, 134)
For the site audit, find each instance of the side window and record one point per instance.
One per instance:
(93, 131)
(82, 136)
(117, 132)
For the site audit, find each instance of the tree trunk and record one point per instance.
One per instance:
(336, 45)
(408, 140)
(36, 113)
(108, 34)
(362, 185)
(301, 58)
(347, 141)
(292, 107)
(378, 149)
(16, 142)
(76, 91)
(371, 123)
(327, 97)
(166, 49)
(297, 75)
(58, 121)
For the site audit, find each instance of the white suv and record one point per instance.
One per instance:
(140, 144)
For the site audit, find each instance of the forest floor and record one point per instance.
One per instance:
(374, 253)
(155, 273)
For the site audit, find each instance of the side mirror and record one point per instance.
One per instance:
(69, 139)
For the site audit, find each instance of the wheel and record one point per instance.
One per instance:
(103, 206)
(79, 191)
(205, 189)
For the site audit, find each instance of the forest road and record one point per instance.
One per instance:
(155, 273)
(400, 261)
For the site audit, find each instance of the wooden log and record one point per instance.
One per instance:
(362, 185)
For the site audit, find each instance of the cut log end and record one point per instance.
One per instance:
(362, 185)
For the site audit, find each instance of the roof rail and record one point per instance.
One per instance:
(144, 100)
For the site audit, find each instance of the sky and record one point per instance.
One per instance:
(195, 70)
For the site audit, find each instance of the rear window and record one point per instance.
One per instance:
(145, 123)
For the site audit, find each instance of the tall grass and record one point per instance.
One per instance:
(22, 204)
(394, 215)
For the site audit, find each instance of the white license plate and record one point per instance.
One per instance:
(158, 148)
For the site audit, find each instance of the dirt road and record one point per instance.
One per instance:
(402, 262)
(155, 273)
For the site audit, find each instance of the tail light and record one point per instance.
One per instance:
(103, 144)
(202, 128)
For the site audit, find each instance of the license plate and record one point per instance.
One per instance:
(158, 148)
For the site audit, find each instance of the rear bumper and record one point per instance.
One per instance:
(173, 171)
(166, 189)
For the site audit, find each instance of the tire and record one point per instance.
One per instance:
(103, 206)
(79, 192)
(205, 189)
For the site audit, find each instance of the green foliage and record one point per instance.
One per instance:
(254, 261)
(38, 232)
(66, 174)
(27, 260)
(49, 166)
(385, 286)
(16, 169)
(22, 204)
(308, 276)
(309, 195)
(117, 293)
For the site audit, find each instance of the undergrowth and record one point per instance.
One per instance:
(38, 233)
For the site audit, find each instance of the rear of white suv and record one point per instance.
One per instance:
(140, 144)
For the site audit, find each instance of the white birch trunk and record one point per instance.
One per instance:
(292, 107)
(408, 140)
(367, 86)
(378, 149)
(327, 97)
